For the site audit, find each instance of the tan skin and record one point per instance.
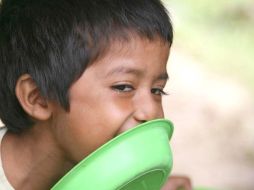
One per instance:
(118, 91)
(178, 183)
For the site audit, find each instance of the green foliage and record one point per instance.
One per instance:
(218, 33)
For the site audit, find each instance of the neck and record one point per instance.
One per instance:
(33, 159)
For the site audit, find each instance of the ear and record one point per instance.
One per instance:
(31, 100)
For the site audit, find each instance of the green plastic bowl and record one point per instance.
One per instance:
(138, 159)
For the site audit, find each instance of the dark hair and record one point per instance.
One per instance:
(55, 40)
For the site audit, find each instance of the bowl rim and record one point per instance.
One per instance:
(169, 130)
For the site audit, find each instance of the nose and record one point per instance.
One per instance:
(147, 108)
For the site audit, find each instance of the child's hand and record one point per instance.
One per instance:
(178, 183)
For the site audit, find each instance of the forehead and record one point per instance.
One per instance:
(134, 53)
(135, 43)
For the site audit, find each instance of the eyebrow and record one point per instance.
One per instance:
(124, 70)
(137, 72)
(163, 76)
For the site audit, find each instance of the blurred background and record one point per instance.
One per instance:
(211, 89)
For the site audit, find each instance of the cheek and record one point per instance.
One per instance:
(101, 117)
(121, 107)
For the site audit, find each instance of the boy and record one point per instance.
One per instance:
(73, 75)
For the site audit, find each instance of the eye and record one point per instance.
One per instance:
(123, 88)
(158, 91)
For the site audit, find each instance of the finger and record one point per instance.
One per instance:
(178, 182)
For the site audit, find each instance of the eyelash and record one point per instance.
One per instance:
(122, 88)
(128, 88)
(161, 92)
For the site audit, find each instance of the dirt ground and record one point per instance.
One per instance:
(213, 115)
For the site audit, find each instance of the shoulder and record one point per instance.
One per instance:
(4, 184)
(3, 130)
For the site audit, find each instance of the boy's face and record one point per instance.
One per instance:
(115, 93)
